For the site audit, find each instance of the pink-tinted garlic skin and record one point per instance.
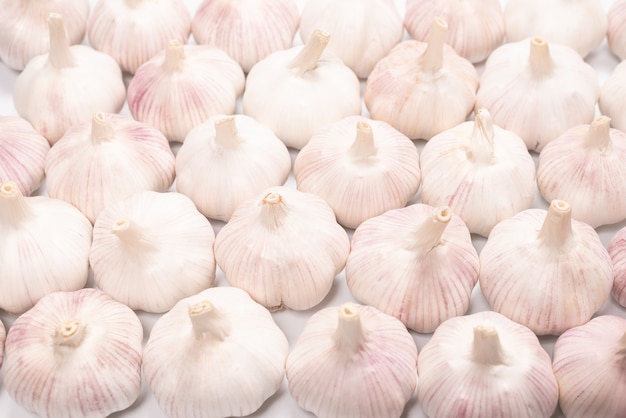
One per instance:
(3, 336)
(611, 101)
(616, 30)
(617, 251)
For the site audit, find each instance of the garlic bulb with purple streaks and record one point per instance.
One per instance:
(616, 29)
(612, 94)
(617, 251)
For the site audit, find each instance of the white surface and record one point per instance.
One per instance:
(292, 322)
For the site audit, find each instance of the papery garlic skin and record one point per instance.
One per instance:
(247, 30)
(538, 90)
(545, 270)
(617, 251)
(584, 166)
(616, 28)
(74, 355)
(3, 336)
(22, 154)
(284, 248)
(417, 264)
(489, 366)
(368, 358)
(133, 31)
(152, 249)
(24, 27)
(44, 247)
(362, 31)
(476, 27)
(228, 160)
(611, 97)
(223, 348)
(107, 160)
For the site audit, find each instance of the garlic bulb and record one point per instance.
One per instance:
(284, 248)
(616, 28)
(545, 270)
(104, 161)
(152, 249)
(483, 172)
(67, 86)
(589, 368)
(485, 365)
(557, 21)
(248, 30)
(617, 251)
(300, 90)
(74, 355)
(366, 358)
(476, 27)
(3, 336)
(363, 31)
(45, 246)
(24, 27)
(227, 160)
(133, 31)
(612, 95)
(224, 349)
(22, 154)
(417, 264)
(538, 90)
(361, 167)
(422, 88)
(583, 166)
(183, 86)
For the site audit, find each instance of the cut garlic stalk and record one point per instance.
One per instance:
(611, 97)
(617, 251)
(616, 29)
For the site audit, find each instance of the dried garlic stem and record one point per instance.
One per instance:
(208, 321)
(174, 57)
(349, 335)
(486, 346)
(556, 230)
(273, 210)
(13, 206)
(101, 130)
(309, 56)
(363, 146)
(432, 58)
(60, 55)
(70, 333)
(598, 136)
(133, 236)
(539, 58)
(226, 132)
(428, 234)
(481, 145)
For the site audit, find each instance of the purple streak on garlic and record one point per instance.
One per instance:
(74, 355)
(152, 249)
(297, 91)
(545, 270)
(584, 166)
(417, 264)
(284, 248)
(538, 90)
(44, 246)
(481, 171)
(248, 30)
(476, 27)
(22, 154)
(107, 160)
(363, 31)
(224, 349)
(227, 160)
(353, 362)
(133, 31)
(422, 88)
(485, 365)
(67, 86)
(612, 95)
(361, 167)
(588, 362)
(181, 87)
(617, 251)
(24, 30)
(616, 29)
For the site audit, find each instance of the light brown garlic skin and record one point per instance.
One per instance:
(616, 29)
(617, 251)
(611, 97)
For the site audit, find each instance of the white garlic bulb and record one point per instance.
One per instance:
(45, 246)
(152, 249)
(616, 28)
(22, 154)
(557, 21)
(365, 357)
(485, 365)
(538, 90)
(104, 161)
(183, 86)
(617, 251)
(545, 270)
(422, 88)
(248, 30)
(284, 248)
(584, 166)
(361, 167)
(300, 90)
(3, 336)
(24, 30)
(67, 86)
(482, 172)
(417, 264)
(611, 100)
(362, 31)
(589, 367)
(74, 355)
(133, 31)
(476, 27)
(224, 349)
(227, 160)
